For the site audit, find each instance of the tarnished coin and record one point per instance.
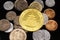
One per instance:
(11, 15)
(50, 13)
(36, 5)
(4, 24)
(10, 29)
(51, 25)
(41, 2)
(8, 5)
(45, 18)
(16, 20)
(41, 35)
(50, 3)
(21, 5)
(18, 34)
(31, 20)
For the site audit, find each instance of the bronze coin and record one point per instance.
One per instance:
(21, 5)
(4, 24)
(11, 15)
(50, 13)
(51, 25)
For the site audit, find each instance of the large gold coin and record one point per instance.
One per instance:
(31, 19)
(36, 5)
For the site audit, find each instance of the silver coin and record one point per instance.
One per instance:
(50, 3)
(45, 18)
(10, 29)
(41, 35)
(8, 5)
(41, 2)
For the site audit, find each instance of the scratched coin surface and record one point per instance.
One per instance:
(51, 25)
(8, 5)
(50, 13)
(4, 24)
(21, 5)
(10, 29)
(50, 3)
(31, 19)
(35, 5)
(11, 15)
(18, 34)
(41, 35)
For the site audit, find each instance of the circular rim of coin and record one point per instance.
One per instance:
(2, 21)
(52, 29)
(31, 28)
(49, 15)
(10, 29)
(15, 30)
(11, 7)
(31, 6)
(9, 17)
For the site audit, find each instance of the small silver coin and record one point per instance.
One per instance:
(10, 29)
(8, 5)
(45, 18)
(50, 3)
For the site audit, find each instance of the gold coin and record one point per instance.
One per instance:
(36, 5)
(50, 13)
(51, 25)
(11, 15)
(31, 19)
(4, 24)
(18, 34)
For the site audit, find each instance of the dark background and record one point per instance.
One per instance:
(55, 35)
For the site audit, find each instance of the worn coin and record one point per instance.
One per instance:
(50, 13)
(18, 34)
(31, 19)
(35, 5)
(8, 5)
(51, 25)
(11, 15)
(4, 24)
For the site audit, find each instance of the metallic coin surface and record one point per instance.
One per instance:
(4, 24)
(41, 2)
(8, 5)
(16, 20)
(18, 34)
(50, 13)
(50, 3)
(45, 18)
(21, 5)
(10, 29)
(11, 15)
(51, 25)
(35, 5)
(41, 35)
(31, 19)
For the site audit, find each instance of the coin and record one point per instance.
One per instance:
(8, 5)
(21, 5)
(10, 29)
(18, 34)
(4, 24)
(50, 3)
(35, 5)
(50, 13)
(41, 2)
(16, 20)
(31, 19)
(41, 35)
(11, 15)
(45, 18)
(51, 25)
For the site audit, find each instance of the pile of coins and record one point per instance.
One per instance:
(31, 19)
